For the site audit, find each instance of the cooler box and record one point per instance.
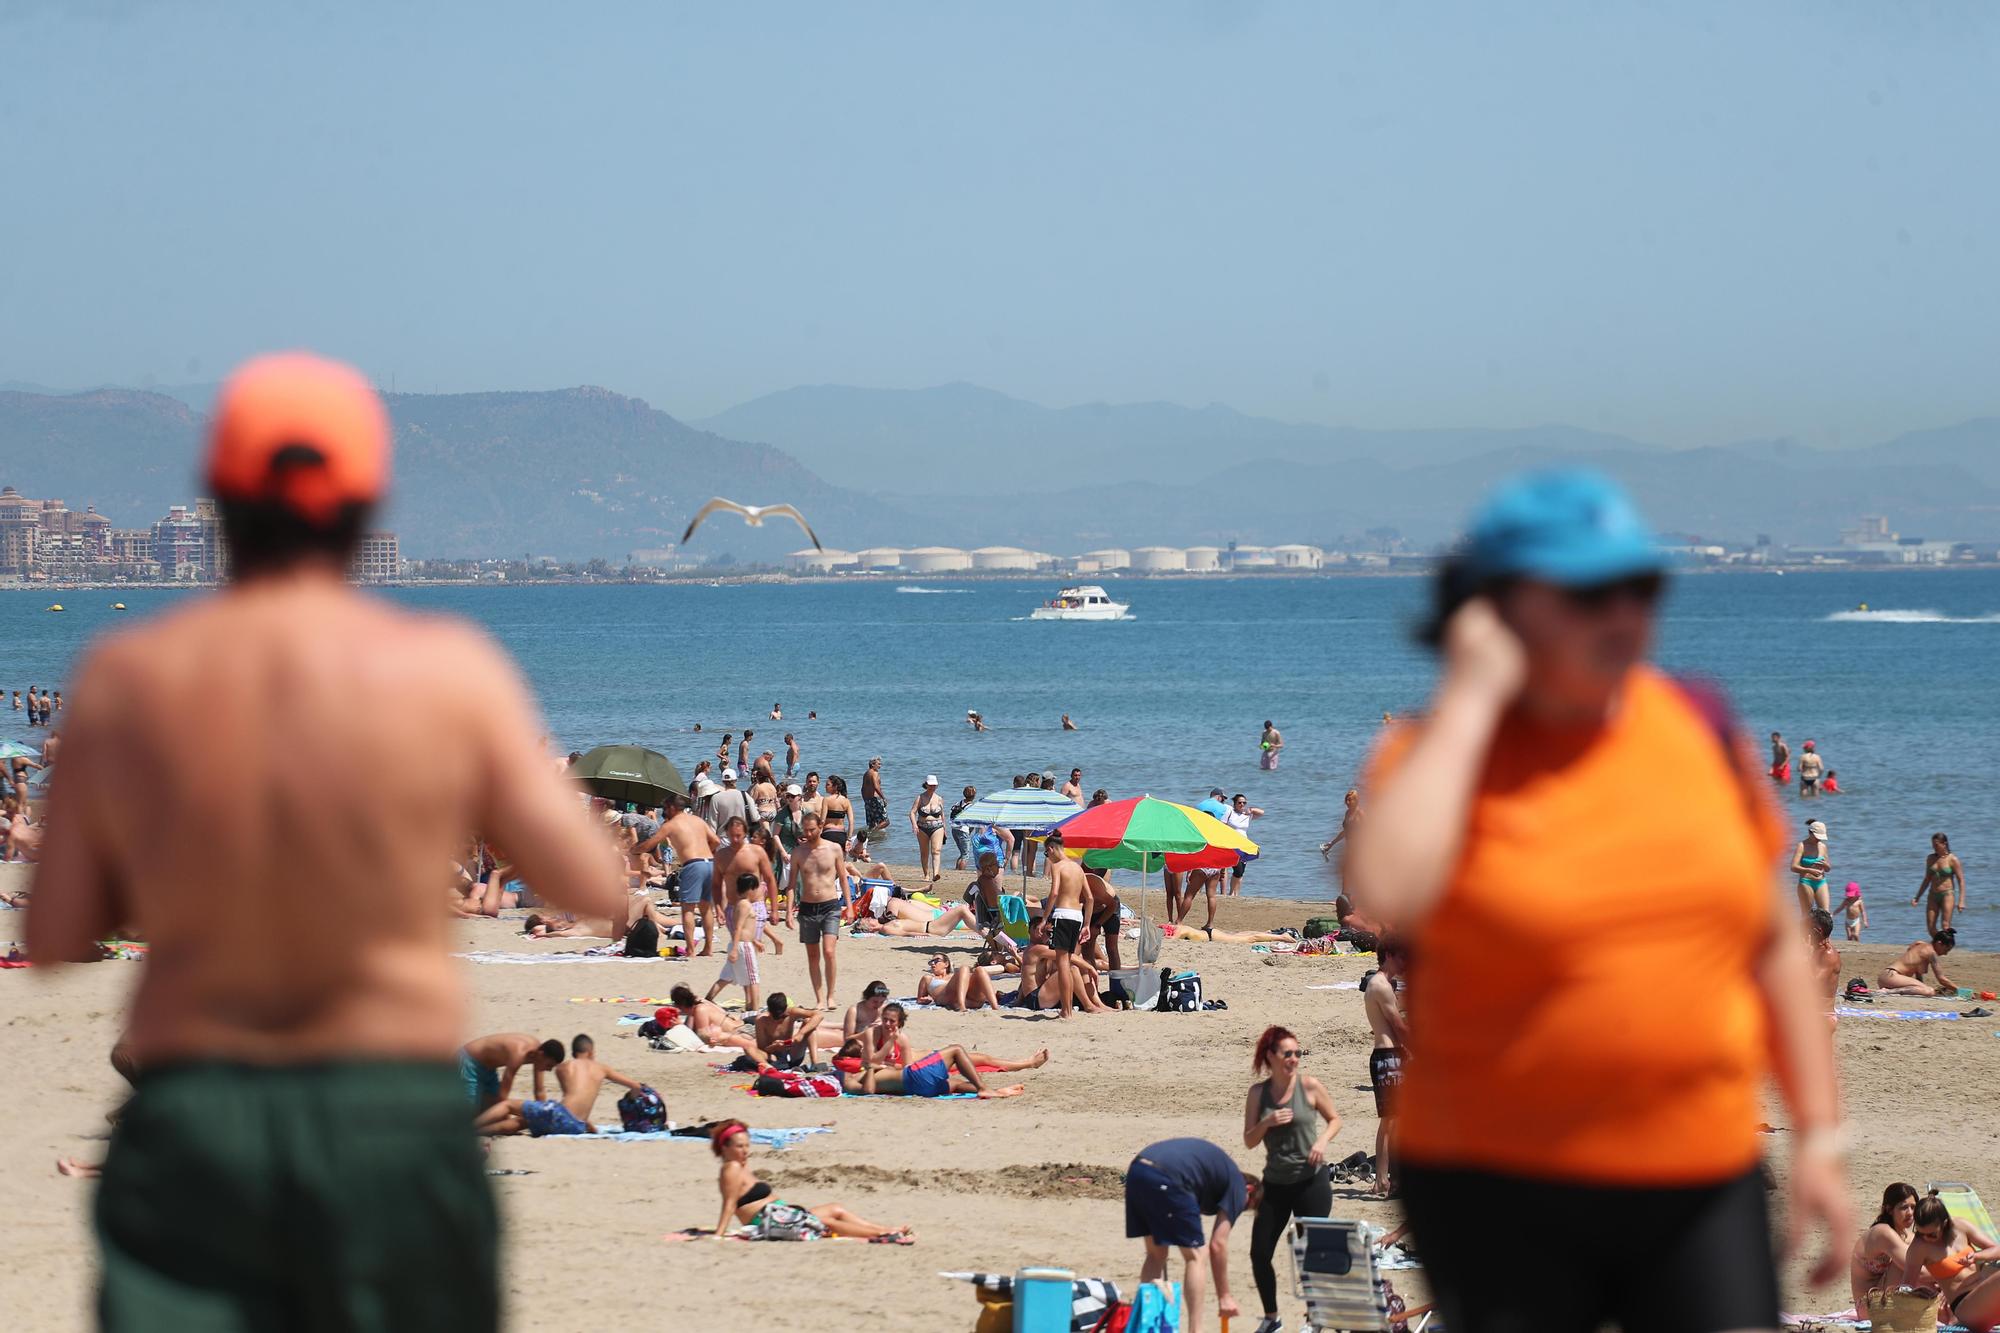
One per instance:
(1042, 1299)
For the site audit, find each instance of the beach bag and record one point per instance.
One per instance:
(1318, 927)
(643, 1112)
(1156, 1308)
(1180, 991)
(1858, 992)
(1902, 1312)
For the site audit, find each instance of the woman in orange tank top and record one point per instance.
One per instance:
(1947, 1255)
(1562, 829)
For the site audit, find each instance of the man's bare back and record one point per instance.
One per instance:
(289, 892)
(580, 1077)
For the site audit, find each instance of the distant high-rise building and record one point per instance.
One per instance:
(378, 559)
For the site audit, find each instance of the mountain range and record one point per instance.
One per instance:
(583, 472)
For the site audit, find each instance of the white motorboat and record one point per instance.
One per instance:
(1086, 601)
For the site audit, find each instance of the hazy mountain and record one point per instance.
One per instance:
(573, 473)
(960, 438)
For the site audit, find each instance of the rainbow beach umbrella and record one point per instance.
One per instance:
(1146, 834)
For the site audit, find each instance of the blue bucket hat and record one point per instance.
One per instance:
(1572, 527)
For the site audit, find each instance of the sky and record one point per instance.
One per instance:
(1687, 222)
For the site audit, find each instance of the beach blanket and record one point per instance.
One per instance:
(1090, 1297)
(603, 955)
(620, 999)
(1964, 1203)
(1907, 1015)
(751, 1233)
(763, 1138)
(1338, 985)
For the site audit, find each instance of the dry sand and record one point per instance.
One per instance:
(986, 1185)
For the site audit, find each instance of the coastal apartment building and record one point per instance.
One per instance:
(46, 539)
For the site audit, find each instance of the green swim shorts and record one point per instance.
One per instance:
(346, 1196)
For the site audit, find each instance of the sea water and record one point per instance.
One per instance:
(1900, 698)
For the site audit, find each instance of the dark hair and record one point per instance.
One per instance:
(1267, 1047)
(1019, 780)
(1892, 1199)
(1821, 921)
(264, 536)
(1931, 1212)
(551, 1050)
(747, 881)
(875, 988)
(1945, 939)
(902, 1014)
(683, 997)
(581, 1043)
(1455, 585)
(1941, 841)
(836, 784)
(777, 1004)
(1054, 836)
(733, 821)
(724, 1132)
(1100, 796)
(1392, 946)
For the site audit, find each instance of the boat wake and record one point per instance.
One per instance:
(1910, 618)
(934, 592)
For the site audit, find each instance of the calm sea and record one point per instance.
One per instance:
(1901, 699)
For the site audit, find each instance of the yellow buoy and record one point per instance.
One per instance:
(56, 607)
(1862, 607)
(118, 606)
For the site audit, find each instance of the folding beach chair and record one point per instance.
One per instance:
(1335, 1274)
(1012, 925)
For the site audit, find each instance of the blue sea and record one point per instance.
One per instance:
(1900, 698)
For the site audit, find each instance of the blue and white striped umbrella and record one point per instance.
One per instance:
(1034, 809)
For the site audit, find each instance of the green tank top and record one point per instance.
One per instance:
(1288, 1147)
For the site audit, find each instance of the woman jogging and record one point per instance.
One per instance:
(1559, 1076)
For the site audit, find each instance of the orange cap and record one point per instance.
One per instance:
(302, 430)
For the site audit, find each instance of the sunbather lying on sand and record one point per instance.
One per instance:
(908, 918)
(749, 1201)
(1202, 935)
(956, 988)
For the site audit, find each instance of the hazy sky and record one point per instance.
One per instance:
(1687, 222)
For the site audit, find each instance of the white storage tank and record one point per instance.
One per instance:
(879, 557)
(1298, 557)
(935, 560)
(1003, 557)
(1252, 557)
(1111, 557)
(810, 561)
(1204, 559)
(1158, 559)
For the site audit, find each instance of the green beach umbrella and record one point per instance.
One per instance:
(629, 773)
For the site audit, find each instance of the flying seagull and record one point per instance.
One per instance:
(753, 515)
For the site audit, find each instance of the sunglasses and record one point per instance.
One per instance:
(1644, 589)
(1298, 1054)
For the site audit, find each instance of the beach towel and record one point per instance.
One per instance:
(1907, 1015)
(605, 955)
(754, 1233)
(1338, 985)
(765, 1138)
(1964, 1203)
(620, 999)
(1090, 1297)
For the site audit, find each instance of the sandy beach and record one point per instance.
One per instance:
(986, 1185)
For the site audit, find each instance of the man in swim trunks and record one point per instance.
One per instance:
(737, 856)
(1905, 975)
(1104, 915)
(874, 805)
(1169, 1187)
(1781, 759)
(791, 756)
(1391, 1047)
(323, 1058)
(694, 846)
(579, 1077)
(943, 1073)
(1063, 912)
(1273, 741)
(489, 1064)
(818, 870)
(787, 1036)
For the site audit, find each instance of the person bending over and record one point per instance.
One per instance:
(1905, 976)
(579, 1077)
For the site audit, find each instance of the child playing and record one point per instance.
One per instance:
(1832, 784)
(1857, 911)
(739, 968)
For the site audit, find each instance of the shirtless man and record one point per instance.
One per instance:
(791, 756)
(489, 1064)
(1067, 725)
(1349, 819)
(579, 1077)
(874, 803)
(694, 844)
(743, 752)
(1104, 921)
(1272, 741)
(1074, 787)
(1391, 1048)
(246, 1028)
(1905, 976)
(977, 723)
(736, 857)
(811, 798)
(787, 1036)
(1824, 957)
(1781, 759)
(818, 870)
(1063, 911)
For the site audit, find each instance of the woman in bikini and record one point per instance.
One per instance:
(836, 812)
(1944, 877)
(958, 989)
(903, 917)
(748, 1201)
(1946, 1256)
(1883, 1248)
(1809, 863)
(927, 826)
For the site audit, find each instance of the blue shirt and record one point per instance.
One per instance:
(1205, 1171)
(1213, 808)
